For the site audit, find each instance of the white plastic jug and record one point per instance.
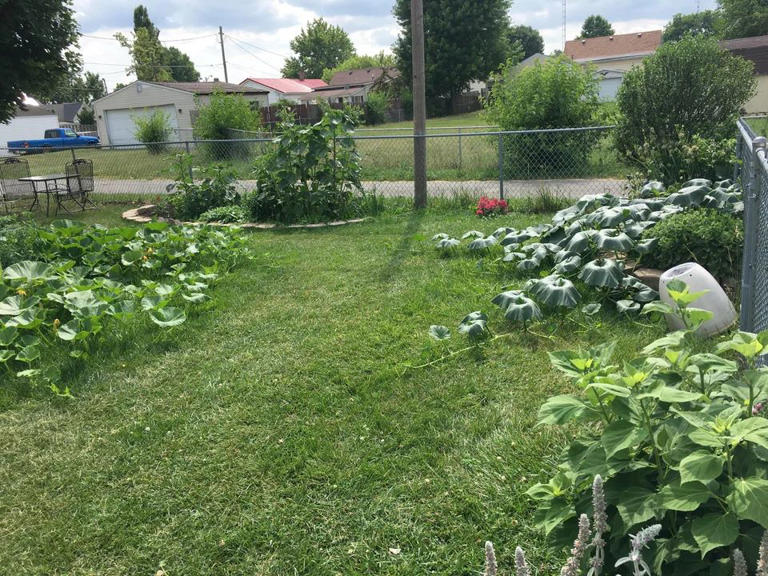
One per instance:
(715, 300)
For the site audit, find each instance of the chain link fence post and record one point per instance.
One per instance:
(751, 222)
(501, 166)
(189, 167)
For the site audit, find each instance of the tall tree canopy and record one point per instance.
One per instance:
(319, 47)
(595, 26)
(151, 61)
(744, 18)
(464, 40)
(37, 47)
(529, 40)
(705, 23)
(77, 87)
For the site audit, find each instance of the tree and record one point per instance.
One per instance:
(706, 23)
(744, 18)
(688, 93)
(318, 47)
(529, 40)
(151, 61)
(182, 68)
(37, 43)
(380, 60)
(557, 93)
(465, 40)
(78, 88)
(226, 117)
(595, 26)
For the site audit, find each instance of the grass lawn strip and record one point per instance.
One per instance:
(276, 433)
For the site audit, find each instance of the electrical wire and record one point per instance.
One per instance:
(235, 42)
(256, 47)
(161, 41)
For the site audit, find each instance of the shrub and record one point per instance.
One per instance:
(711, 238)
(555, 94)
(376, 108)
(225, 214)
(678, 437)
(678, 104)
(154, 130)
(190, 197)
(311, 174)
(217, 120)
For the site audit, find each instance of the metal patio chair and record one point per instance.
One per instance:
(80, 181)
(12, 191)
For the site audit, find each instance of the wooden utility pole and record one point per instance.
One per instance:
(419, 106)
(223, 57)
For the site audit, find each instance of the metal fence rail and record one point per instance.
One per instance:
(569, 162)
(753, 172)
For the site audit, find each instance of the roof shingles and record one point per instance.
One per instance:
(616, 46)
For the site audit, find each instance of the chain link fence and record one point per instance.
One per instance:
(466, 160)
(753, 172)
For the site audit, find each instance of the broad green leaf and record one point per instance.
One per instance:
(28, 271)
(701, 466)
(167, 317)
(612, 389)
(602, 273)
(706, 438)
(15, 305)
(636, 505)
(550, 517)
(685, 498)
(670, 395)
(753, 430)
(559, 410)
(28, 319)
(621, 435)
(439, 332)
(627, 306)
(591, 309)
(749, 499)
(473, 324)
(131, 257)
(660, 307)
(715, 530)
(6, 355)
(28, 354)
(8, 335)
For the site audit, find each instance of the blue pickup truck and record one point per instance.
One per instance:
(53, 139)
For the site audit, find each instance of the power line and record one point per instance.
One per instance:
(112, 38)
(149, 65)
(252, 54)
(257, 47)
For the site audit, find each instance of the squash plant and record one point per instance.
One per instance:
(679, 437)
(88, 278)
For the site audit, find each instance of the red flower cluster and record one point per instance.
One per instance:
(491, 207)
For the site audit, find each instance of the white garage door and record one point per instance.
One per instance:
(121, 126)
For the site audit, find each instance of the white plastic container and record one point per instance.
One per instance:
(715, 300)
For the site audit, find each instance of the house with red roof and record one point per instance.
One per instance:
(290, 89)
(613, 55)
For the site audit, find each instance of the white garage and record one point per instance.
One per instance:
(115, 112)
(28, 124)
(121, 124)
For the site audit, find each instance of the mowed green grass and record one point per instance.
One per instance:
(279, 432)
(386, 155)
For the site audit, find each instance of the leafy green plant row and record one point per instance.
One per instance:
(588, 244)
(86, 278)
(679, 435)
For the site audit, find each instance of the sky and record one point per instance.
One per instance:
(258, 32)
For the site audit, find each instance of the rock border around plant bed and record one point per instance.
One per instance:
(144, 214)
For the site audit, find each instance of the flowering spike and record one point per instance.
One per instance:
(739, 564)
(490, 559)
(762, 563)
(521, 567)
(571, 567)
(600, 518)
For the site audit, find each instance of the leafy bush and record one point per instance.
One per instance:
(192, 197)
(154, 130)
(225, 215)
(711, 238)
(217, 120)
(18, 240)
(556, 94)
(376, 108)
(311, 174)
(678, 105)
(678, 438)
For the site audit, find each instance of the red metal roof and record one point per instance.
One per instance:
(288, 85)
(639, 43)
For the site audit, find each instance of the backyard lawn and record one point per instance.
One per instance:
(279, 431)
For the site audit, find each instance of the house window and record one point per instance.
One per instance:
(358, 100)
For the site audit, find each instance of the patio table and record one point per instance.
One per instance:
(48, 185)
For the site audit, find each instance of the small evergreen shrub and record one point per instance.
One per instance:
(711, 238)
(153, 130)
